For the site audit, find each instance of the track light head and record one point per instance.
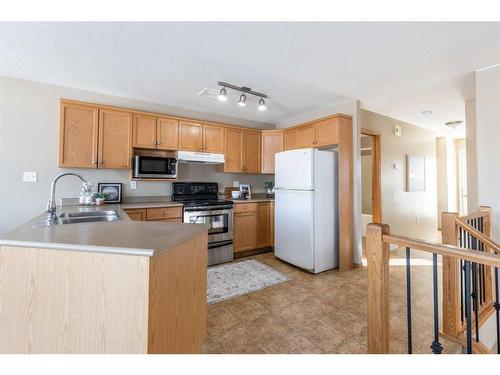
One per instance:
(243, 100)
(222, 95)
(262, 104)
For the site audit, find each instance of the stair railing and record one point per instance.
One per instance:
(471, 232)
(378, 241)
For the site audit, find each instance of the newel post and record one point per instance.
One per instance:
(451, 273)
(377, 256)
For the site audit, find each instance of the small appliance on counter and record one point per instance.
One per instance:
(203, 206)
(269, 186)
(154, 167)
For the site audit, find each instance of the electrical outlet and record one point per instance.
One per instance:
(133, 185)
(30, 176)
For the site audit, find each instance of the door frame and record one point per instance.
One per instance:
(376, 175)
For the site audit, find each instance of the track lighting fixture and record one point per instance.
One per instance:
(262, 104)
(222, 95)
(243, 100)
(243, 97)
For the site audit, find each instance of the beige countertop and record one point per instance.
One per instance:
(124, 236)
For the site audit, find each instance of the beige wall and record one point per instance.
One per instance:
(408, 213)
(366, 175)
(470, 130)
(29, 125)
(487, 142)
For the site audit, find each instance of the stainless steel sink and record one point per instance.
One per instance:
(88, 217)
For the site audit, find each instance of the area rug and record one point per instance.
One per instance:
(239, 278)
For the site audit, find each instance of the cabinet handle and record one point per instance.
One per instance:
(158, 142)
(94, 162)
(165, 213)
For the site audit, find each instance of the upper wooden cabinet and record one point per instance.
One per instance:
(327, 132)
(167, 133)
(317, 134)
(144, 131)
(272, 142)
(251, 152)
(155, 132)
(190, 136)
(91, 137)
(115, 134)
(233, 151)
(78, 138)
(242, 151)
(213, 139)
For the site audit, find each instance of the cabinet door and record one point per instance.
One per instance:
(233, 151)
(272, 142)
(136, 214)
(305, 136)
(264, 225)
(213, 139)
(115, 139)
(290, 139)
(326, 132)
(144, 131)
(245, 231)
(251, 152)
(78, 136)
(167, 134)
(190, 136)
(271, 215)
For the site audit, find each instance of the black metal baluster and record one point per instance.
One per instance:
(497, 308)
(408, 301)
(474, 298)
(468, 307)
(460, 241)
(436, 346)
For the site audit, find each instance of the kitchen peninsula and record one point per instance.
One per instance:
(103, 287)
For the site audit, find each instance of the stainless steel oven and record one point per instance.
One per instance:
(202, 206)
(220, 232)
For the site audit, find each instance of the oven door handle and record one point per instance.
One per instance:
(214, 245)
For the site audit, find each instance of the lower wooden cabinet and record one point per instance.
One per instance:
(253, 227)
(168, 214)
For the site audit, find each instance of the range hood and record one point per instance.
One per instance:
(199, 157)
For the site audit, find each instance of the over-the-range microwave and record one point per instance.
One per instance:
(154, 167)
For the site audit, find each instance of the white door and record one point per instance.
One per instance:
(293, 169)
(294, 224)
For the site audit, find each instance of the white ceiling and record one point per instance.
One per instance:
(397, 69)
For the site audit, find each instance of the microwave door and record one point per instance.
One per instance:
(155, 167)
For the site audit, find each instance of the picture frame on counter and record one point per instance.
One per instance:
(113, 191)
(245, 191)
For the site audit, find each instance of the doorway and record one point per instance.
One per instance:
(371, 200)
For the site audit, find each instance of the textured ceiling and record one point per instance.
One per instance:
(397, 69)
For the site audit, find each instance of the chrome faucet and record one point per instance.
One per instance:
(51, 218)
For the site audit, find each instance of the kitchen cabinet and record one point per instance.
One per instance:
(272, 142)
(251, 152)
(264, 225)
(213, 139)
(152, 132)
(78, 136)
(169, 214)
(290, 139)
(136, 214)
(167, 133)
(194, 136)
(318, 134)
(253, 226)
(242, 151)
(92, 137)
(115, 133)
(190, 136)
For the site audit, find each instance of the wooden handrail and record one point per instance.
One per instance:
(446, 250)
(474, 215)
(490, 244)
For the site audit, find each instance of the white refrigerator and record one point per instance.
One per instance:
(306, 209)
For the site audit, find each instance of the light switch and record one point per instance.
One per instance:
(133, 185)
(30, 176)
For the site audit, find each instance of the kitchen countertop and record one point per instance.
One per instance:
(124, 236)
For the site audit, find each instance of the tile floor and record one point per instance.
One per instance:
(323, 313)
